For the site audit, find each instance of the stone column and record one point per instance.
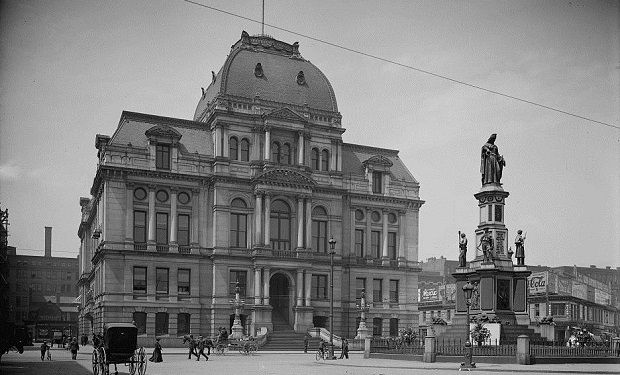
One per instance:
(129, 216)
(258, 212)
(300, 222)
(384, 239)
(217, 142)
(225, 140)
(202, 215)
(308, 223)
(401, 234)
(300, 145)
(174, 217)
(333, 156)
(267, 220)
(352, 219)
(266, 278)
(267, 144)
(300, 288)
(193, 232)
(430, 350)
(151, 236)
(257, 286)
(339, 156)
(369, 248)
(308, 293)
(523, 350)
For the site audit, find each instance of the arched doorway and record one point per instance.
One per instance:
(279, 297)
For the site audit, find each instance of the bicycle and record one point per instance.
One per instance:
(321, 354)
(248, 348)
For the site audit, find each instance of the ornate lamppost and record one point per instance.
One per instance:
(468, 364)
(332, 246)
(237, 303)
(363, 307)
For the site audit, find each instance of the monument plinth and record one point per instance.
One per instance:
(500, 288)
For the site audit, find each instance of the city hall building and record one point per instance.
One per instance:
(250, 191)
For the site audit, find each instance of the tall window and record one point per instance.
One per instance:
(393, 291)
(245, 150)
(183, 286)
(319, 286)
(360, 285)
(392, 245)
(375, 243)
(183, 230)
(377, 327)
(377, 291)
(359, 243)
(377, 185)
(238, 224)
(276, 152)
(161, 280)
(242, 278)
(233, 148)
(161, 323)
(139, 226)
(161, 234)
(183, 324)
(325, 160)
(162, 156)
(286, 154)
(319, 230)
(280, 226)
(314, 159)
(393, 327)
(139, 319)
(139, 280)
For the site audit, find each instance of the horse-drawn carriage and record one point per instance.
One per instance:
(119, 345)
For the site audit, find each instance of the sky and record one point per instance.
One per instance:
(69, 68)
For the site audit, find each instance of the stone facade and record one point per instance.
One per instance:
(251, 190)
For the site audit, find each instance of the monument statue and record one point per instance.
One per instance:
(491, 163)
(462, 250)
(486, 243)
(520, 247)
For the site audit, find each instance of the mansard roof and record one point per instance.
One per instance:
(355, 156)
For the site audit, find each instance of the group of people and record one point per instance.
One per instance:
(73, 347)
(197, 347)
(344, 351)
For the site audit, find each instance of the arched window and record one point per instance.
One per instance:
(325, 160)
(238, 223)
(245, 150)
(280, 225)
(233, 147)
(276, 152)
(314, 159)
(286, 154)
(319, 230)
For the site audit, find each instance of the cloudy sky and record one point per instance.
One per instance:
(69, 68)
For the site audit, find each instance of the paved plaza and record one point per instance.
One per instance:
(267, 363)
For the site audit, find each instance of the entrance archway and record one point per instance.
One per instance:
(279, 297)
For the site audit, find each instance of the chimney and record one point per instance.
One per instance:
(48, 241)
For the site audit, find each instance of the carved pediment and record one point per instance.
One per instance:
(378, 160)
(163, 131)
(285, 176)
(284, 113)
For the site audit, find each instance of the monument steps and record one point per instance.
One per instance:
(284, 338)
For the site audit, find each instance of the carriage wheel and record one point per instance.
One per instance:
(133, 363)
(253, 349)
(95, 358)
(103, 361)
(219, 349)
(242, 349)
(141, 361)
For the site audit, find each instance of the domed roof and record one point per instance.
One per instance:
(272, 70)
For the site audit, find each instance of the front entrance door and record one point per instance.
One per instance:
(279, 297)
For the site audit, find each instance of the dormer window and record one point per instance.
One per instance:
(377, 182)
(162, 156)
(377, 172)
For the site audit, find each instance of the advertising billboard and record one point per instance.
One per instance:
(537, 282)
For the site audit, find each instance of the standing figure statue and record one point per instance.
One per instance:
(486, 243)
(462, 250)
(491, 163)
(520, 246)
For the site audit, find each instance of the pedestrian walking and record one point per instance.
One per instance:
(156, 357)
(306, 344)
(44, 349)
(74, 347)
(201, 349)
(345, 349)
(191, 345)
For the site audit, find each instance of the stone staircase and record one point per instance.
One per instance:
(284, 338)
(508, 335)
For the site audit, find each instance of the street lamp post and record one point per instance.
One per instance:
(468, 364)
(332, 246)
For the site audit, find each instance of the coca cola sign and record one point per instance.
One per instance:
(537, 282)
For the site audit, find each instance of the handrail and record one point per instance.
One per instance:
(323, 334)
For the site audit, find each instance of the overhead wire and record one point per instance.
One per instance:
(406, 66)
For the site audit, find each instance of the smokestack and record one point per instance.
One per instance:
(48, 241)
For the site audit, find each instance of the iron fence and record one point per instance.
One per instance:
(453, 347)
(560, 349)
(396, 346)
